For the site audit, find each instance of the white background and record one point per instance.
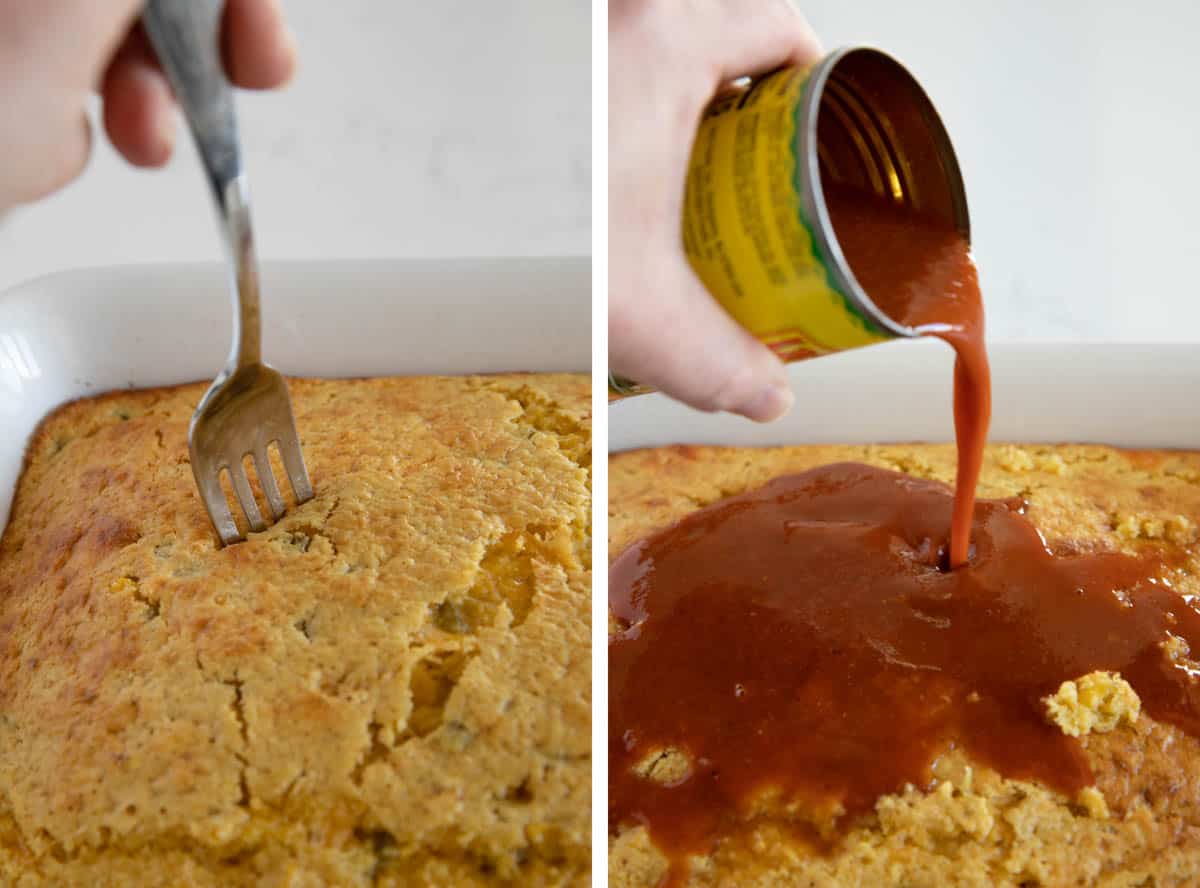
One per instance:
(1078, 130)
(463, 128)
(457, 127)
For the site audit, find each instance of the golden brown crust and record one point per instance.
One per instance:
(976, 828)
(388, 687)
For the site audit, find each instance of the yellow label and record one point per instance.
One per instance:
(745, 231)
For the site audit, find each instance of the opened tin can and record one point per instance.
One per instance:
(756, 227)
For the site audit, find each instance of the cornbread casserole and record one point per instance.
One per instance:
(1137, 823)
(388, 687)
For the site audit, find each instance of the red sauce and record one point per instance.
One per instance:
(804, 637)
(920, 274)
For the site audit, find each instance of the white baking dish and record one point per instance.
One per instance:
(1131, 395)
(85, 332)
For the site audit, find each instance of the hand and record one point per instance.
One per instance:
(667, 59)
(55, 53)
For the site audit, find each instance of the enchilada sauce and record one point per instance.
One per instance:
(919, 272)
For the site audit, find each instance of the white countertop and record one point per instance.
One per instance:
(449, 128)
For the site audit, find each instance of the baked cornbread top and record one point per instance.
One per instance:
(974, 828)
(389, 686)
(1094, 496)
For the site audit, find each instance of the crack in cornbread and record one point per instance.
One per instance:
(388, 687)
(1139, 826)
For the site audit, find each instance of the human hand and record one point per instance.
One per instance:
(667, 59)
(55, 53)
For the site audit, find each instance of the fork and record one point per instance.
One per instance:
(247, 409)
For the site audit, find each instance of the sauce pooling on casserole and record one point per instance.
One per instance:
(806, 639)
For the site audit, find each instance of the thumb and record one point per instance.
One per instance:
(684, 344)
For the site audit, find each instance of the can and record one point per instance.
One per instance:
(756, 227)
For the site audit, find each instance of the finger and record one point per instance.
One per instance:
(775, 34)
(139, 112)
(688, 347)
(65, 43)
(258, 47)
(40, 166)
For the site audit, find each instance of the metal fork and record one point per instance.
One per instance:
(247, 408)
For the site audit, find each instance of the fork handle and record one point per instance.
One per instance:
(185, 35)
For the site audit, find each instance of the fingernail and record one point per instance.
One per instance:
(770, 403)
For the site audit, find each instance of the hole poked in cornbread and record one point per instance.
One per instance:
(434, 677)
(131, 586)
(542, 414)
(506, 579)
